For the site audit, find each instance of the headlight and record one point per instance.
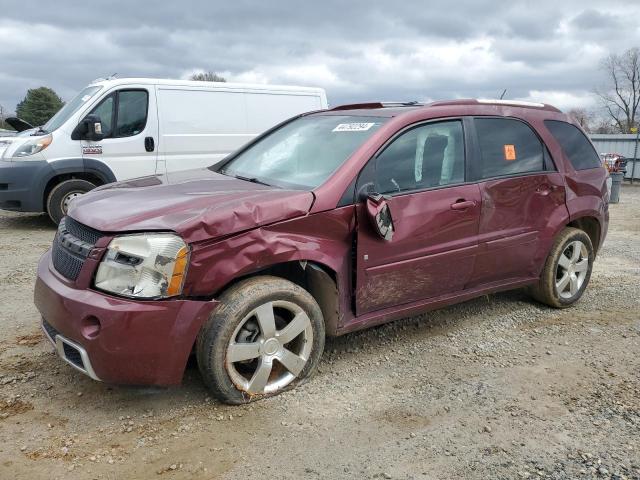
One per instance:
(31, 147)
(150, 265)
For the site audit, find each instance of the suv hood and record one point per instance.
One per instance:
(197, 204)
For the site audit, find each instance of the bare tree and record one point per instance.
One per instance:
(207, 77)
(583, 116)
(621, 97)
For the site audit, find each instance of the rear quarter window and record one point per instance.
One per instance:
(508, 147)
(575, 144)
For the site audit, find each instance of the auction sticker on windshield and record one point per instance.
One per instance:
(353, 127)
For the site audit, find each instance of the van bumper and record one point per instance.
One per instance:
(118, 340)
(20, 185)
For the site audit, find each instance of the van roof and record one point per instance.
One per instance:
(202, 84)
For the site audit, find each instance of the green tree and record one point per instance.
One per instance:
(39, 105)
(207, 77)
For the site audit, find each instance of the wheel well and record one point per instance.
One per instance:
(591, 227)
(90, 177)
(318, 280)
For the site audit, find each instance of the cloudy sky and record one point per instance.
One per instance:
(357, 50)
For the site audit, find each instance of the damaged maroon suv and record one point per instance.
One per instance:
(331, 222)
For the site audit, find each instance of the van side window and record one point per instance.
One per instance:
(132, 112)
(508, 147)
(105, 111)
(127, 109)
(428, 156)
(575, 145)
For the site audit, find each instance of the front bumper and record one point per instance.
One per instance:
(20, 185)
(137, 343)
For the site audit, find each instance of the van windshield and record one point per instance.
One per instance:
(304, 152)
(70, 108)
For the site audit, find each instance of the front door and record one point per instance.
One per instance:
(521, 195)
(130, 129)
(435, 219)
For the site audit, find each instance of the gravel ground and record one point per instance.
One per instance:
(499, 387)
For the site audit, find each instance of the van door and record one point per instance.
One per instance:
(130, 129)
(199, 127)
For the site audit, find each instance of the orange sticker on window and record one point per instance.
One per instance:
(509, 152)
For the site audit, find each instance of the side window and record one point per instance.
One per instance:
(428, 156)
(508, 147)
(575, 145)
(132, 112)
(105, 111)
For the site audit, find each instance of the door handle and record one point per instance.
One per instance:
(149, 144)
(463, 204)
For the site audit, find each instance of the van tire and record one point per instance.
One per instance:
(59, 195)
(224, 327)
(546, 291)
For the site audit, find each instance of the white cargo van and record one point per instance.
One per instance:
(121, 128)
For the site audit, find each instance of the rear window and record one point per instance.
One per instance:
(508, 147)
(575, 145)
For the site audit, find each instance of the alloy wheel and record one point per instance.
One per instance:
(269, 348)
(572, 269)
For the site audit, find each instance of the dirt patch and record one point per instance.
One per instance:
(30, 340)
(14, 406)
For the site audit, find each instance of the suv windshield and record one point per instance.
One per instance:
(70, 108)
(304, 152)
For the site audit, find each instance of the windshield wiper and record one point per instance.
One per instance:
(252, 180)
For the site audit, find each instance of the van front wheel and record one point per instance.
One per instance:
(62, 194)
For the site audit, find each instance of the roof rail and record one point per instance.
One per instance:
(490, 101)
(369, 105)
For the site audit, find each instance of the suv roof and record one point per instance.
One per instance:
(395, 106)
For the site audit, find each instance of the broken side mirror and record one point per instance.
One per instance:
(90, 128)
(380, 215)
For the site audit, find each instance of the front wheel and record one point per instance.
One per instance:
(266, 337)
(62, 194)
(567, 270)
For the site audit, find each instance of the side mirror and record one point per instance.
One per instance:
(380, 215)
(90, 128)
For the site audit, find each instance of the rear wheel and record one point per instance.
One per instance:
(567, 270)
(62, 194)
(266, 337)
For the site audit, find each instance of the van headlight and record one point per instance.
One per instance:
(33, 146)
(149, 265)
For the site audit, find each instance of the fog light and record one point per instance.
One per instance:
(90, 327)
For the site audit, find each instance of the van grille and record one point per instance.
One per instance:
(71, 247)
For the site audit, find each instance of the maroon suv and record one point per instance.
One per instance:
(330, 222)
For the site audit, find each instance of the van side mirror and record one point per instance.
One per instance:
(90, 128)
(379, 214)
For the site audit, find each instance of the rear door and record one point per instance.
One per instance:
(130, 128)
(435, 216)
(521, 195)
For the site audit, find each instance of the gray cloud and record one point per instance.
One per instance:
(357, 50)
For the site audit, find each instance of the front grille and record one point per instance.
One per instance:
(81, 232)
(65, 263)
(71, 247)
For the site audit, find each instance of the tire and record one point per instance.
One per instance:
(62, 193)
(241, 374)
(554, 288)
